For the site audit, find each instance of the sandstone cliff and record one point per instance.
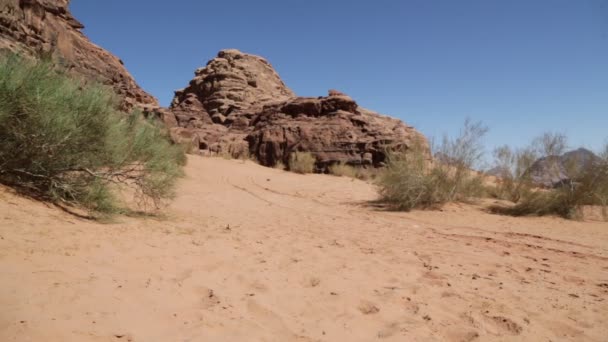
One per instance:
(46, 27)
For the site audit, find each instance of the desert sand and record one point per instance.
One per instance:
(248, 253)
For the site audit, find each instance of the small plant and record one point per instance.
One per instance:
(412, 180)
(343, 170)
(279, 165)
(406, 183)
(367, 174)
(302, 162)
(66, 142)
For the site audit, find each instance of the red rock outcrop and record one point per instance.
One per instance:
(334, 128)
(230, 84)
(46, 27)
(238, 105)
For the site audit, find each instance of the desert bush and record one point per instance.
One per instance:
(279, 165)
(411, 180)
(65, 141)
(302, 162)
(589, 187)
(541, 203)
(513, 178)
(407, 182)
(368, 174)
(550, 144)
(566, 202)
(458, 157)
(343, 170)
(358, 172)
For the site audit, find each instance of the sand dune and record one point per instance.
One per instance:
(248, 253)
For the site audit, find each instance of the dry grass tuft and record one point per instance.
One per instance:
(302, 162)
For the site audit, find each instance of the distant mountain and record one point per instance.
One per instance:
(554, 171)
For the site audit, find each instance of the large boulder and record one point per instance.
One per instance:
(240, 96)
(47, 28)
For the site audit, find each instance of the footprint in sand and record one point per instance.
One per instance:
(412, 307)
(462, 336)
(124, 337)
(368, 308)
(574, 280)
(390, 330)
(312, 282)
(209, 297)
(504, 325)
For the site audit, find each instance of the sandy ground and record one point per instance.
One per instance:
(248, 253)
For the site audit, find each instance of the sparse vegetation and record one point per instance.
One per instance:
(567, 202)
(513, 178)
(412, 180)
(358, 172)
(65, 141)
(585, 186)
(302, 162)
(343, 170)
(550, 144)
(279, 165)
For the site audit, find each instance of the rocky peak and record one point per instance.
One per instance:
(46, 27)
(232, 82)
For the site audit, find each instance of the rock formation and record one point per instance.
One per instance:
(230, 84)
(238, 105)
(46, 27)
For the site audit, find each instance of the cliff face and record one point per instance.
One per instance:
(238, 105)
(46, 27)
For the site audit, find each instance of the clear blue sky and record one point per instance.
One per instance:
(521, 66)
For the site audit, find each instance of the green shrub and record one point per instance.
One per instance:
(412, 180)
(65, 141)
(409, 181)
(302, 162)
(405, 183)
